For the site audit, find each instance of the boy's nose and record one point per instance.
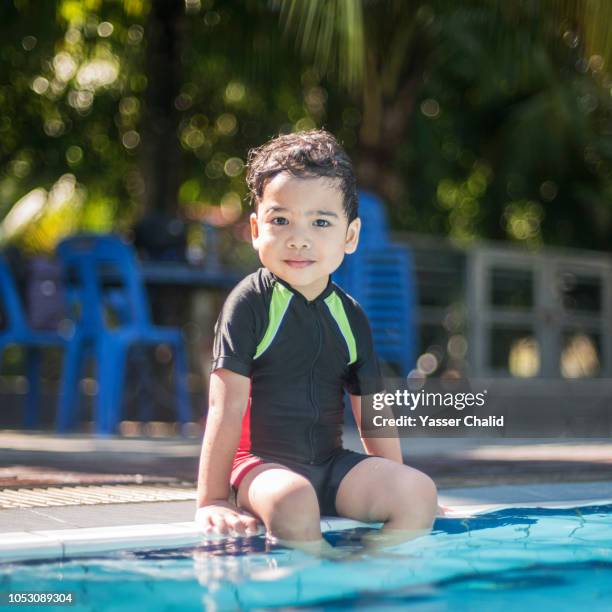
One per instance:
(298, 241)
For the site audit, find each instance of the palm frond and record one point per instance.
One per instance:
(330, 33)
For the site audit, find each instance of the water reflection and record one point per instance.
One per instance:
(516, 551)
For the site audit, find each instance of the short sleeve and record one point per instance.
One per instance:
(364, 376)
(235, 335)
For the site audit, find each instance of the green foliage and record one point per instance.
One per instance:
(71, 76)
(474, 119)
(538, 122)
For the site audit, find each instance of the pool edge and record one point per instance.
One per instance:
(59, 544)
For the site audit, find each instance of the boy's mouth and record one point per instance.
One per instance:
(299, 263)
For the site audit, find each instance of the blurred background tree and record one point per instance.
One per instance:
(478, 120)
(72, 81)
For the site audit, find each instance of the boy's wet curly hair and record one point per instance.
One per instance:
(311, 154)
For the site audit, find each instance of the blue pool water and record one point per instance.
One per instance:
(505, 560)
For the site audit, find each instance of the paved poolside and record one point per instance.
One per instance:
(65, 532)
(63, 488)
(46, 459)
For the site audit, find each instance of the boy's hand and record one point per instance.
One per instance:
(223, 518)
(442, 510)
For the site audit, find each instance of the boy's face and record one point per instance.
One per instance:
(301, 231)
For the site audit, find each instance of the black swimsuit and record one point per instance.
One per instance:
(300, 356)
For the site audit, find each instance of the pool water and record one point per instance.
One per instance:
(503, 560)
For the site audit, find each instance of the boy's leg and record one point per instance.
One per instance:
(287, 504)
(381, 490)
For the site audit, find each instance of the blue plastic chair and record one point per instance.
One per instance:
(380, 276)
(375, 226)
(90, 262)
(17, 331)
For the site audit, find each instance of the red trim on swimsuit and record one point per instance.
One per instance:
(245, 434)
(243, 461)
(242, 466)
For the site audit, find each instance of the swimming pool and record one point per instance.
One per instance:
(503, 560)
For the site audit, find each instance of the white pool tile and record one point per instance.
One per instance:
(335, 523)
(105, 539)
(469, 511)
(56, 543)
(22, 545)
(189, 524)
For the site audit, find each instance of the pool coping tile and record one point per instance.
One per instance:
(90, 540)
(25, 545)
(63, 543)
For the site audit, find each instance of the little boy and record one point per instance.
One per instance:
(288, 342)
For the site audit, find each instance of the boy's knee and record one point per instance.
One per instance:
(417, 501)
(295, 513)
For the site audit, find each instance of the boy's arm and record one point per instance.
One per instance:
(389, 448)
(228, 397)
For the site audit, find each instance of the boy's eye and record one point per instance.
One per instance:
(279, 221)
(322, 223)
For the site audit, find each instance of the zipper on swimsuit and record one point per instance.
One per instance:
(312, 388)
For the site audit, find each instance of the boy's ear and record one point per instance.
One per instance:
(352, 236)
(254, 230)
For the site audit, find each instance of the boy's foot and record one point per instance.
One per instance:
(380, 541)
(318, 548)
